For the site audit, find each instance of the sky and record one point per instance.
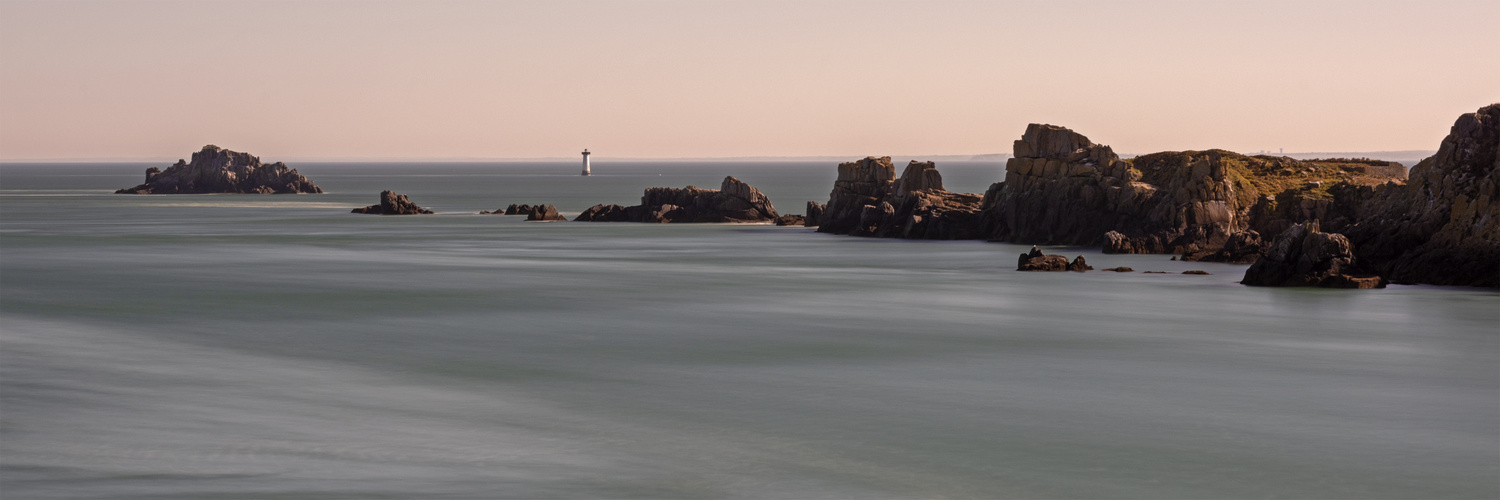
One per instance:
(492, 80)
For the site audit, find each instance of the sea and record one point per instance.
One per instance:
(281, 347)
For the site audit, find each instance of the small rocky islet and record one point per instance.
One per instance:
(1439, 223)
(217, 170)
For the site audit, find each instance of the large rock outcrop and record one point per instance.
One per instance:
(734, 201)
(869, 200)
(1443, 226)
(1304, 256)
(217, 170)
(1062, 189)
(393, 204)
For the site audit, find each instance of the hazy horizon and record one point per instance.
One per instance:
(652, 80)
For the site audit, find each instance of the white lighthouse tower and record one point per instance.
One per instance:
(586, 163)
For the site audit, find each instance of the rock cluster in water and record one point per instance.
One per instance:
(217, 170)
(540, 212)
(393, 204)
(1304, 256)
(734, 201)
(869, 200)
(1035, 260)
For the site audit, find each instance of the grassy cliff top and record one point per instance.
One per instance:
(1264, 175)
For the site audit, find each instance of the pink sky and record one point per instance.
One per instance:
(697, 79)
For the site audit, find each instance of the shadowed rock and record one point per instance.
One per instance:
(1304, 256)
(868, 200)
(1443, 226)
(734, 201)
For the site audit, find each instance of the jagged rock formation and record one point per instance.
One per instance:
(543, 213)
(1304, 256)
(513, 209)
(393, 204)
(1443, 226)
(1035, 260)
(868, 200)
(734, 201)
(218, 170)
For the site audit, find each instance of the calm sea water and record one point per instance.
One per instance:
(240, 346)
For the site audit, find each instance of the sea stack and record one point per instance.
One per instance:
(393, 204)
(218, 170)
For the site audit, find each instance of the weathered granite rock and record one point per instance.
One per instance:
(1304, 256)
(1061, 188)
(734, 201)
(217, 170)
(393, 204)
(814, 214)
(1443, 226)
(544, 213)
(868, 200)
(1121, 269)
(791, 220)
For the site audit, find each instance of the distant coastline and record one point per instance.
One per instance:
(1405, 157)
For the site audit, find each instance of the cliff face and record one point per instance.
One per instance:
(217, 170)
(1443, 226)
(1062, 189)
(869, 200)
(734, 201)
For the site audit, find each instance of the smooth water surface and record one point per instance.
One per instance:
(248, 346)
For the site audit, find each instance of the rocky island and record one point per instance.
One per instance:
(217, 170)
(734, 201)
(393, 204)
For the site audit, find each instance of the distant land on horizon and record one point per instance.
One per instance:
(1405, 157)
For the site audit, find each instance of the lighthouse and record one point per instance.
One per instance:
(586, 172)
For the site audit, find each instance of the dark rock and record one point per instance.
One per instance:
(217, 170)
(1304, 256)
(393, 204)
(605, 213)
(734, 201)
(1080, 265)
(791, 220)
(1121, 269)
(1035, 260)
(1443, 226)
(814, 213)
(1156, 272)
(1244, 247)
(544, 213)
(868, 200)
(1195, 272)
(515, 209)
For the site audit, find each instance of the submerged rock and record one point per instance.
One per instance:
(1121, 269)
(1304, 256)
(734, 201)
(393, 204)
(217, 170)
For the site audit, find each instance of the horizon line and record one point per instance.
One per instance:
(396, 159)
